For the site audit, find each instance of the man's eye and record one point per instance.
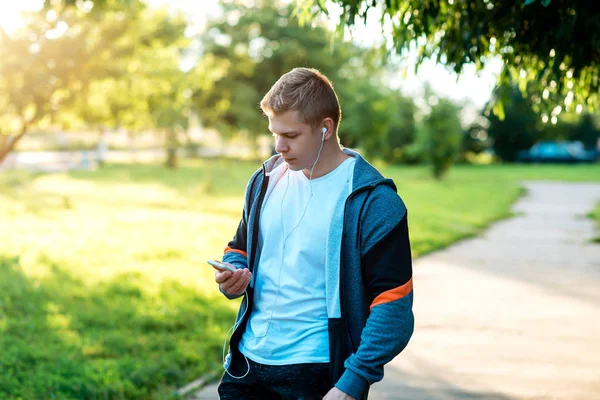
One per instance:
(285, 136)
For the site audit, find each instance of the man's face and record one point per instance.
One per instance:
(296, 141)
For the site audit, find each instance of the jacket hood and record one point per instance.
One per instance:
(365, 175)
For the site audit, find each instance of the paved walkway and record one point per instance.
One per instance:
(513, 314)
(62, 161)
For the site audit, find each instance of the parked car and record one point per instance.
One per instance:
(557, 152)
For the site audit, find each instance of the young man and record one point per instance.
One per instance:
(322, 255)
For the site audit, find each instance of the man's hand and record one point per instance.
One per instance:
(337, 394)
(233, 283)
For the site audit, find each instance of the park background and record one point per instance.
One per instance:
(128, 130)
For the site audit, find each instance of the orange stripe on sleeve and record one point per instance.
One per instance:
(229, 249)
(393, 294)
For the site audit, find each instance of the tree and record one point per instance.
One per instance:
(444, 136)
(402, 130)
(367, 113)
(169, 103)
(247, 49)
(64, 48)
(475, 139)
(377, 119)
(80, 60)
(152, 78)
(586, 131)
(98, 4)
(553, 42)
(517, 129)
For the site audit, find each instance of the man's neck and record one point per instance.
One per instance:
(328, 161)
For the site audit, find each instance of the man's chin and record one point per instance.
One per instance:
(293, 164)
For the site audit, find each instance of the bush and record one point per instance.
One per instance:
(444, 136)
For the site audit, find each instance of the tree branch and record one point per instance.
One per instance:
(5, 150)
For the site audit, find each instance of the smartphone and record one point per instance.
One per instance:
(219, 265)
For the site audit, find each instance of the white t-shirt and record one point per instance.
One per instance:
(288, 324)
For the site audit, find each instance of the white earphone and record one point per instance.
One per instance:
(284, 238)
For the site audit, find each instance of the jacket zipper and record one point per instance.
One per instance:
(343, 304)
(255, 231)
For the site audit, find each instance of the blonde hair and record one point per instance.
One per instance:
(306, 90)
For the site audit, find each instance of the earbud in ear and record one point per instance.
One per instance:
(324, 130)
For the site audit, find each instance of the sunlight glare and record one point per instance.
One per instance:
(11, 17)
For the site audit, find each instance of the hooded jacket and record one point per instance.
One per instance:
(368, 274)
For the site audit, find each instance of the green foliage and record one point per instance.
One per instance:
(520, 126)
(516, 129)
(150, 74)
(554, 43)
(595, 215)
(247, 49)
(97, 4)
(365, 116)
(402, 129)
(587, 131)
(378, 120)
(113, 64)
(444, 136)
(583, 129)
(64, 49)
(475, 139)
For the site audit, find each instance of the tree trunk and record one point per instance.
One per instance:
(8, 144)
(101, 148)
(171, 148)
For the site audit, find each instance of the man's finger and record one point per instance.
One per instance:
(240, 286)
(222, 276)
(233, 279)
(237, 286)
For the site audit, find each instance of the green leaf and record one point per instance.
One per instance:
(499, 110)
(454, 43)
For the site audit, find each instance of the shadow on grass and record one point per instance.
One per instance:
(63, 338)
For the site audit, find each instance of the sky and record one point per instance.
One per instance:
(470, 86)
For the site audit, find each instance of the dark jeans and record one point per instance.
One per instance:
(264, 382)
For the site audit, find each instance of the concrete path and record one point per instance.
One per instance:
(513, 314)
(62, 161)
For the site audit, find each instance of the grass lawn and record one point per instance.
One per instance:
(104, 289)
(595, 214)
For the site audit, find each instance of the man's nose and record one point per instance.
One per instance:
(281, 145)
